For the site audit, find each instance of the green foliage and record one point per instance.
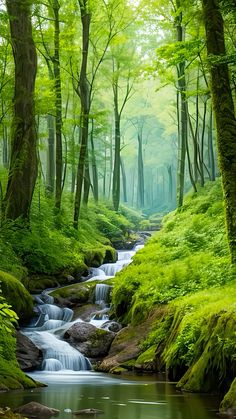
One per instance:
(53, 247)
(190, 253)
(183, 275)
(11, 377)
(17, 296)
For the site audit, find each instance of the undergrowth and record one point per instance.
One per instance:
(184, 272)
(53, 246)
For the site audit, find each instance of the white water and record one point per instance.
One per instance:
(53, 321)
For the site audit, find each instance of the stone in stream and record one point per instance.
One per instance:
(36, 410)
(93, 412)
(28, 355)
(88, 339)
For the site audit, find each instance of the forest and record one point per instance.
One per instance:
(118, 197)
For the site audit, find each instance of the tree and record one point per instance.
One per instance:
(224, 112)
(23, 164)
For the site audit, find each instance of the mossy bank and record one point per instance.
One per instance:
(48, 253)
(183, 278)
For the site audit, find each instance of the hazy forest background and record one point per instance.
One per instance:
(111, 111)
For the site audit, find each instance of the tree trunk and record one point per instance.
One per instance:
(94, 167)
(140, 172)
(124, 183)
(50, 174)
(224, 113)
(57, 77)
(84, 91)
(87, 182)
(116, 170)
(211, 157)
(23, 164)
(183, 117)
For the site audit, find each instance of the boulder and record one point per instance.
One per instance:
(112, 326)
(28, 355)
(88, 339)
(36, 410)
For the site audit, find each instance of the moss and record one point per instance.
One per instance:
(11, 376)
(147, 358)
(77, 292)
(117, 370)
(16, 295)
(229, 401)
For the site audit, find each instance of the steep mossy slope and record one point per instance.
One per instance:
(51, 249)
(11, 376)
(44, 255)
(184, 272)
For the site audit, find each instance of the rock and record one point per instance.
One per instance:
(125, 348)
(112, 326)
(88, 412)
(28, 355)
(36, 410)
(91, 341)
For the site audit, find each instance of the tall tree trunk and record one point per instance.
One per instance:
(23, 164)
(183, 117)
(50, 174)
(140, 172)
(87, 182)
(211, 157)
(94, 166)
(124, 183)
(84, 91)
(116, 170)
(104, 172)
(224, 113)
(57, 77)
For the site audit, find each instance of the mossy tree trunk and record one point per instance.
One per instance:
(58, 103)
(94, 165)
(116, 169)
(23, 164)
(140, 169)
(224, 113)
(182, 109)
(84, 90)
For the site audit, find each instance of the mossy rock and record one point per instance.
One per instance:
(147, 360)
(36, 284)
(74, 294)
(228, 404)
(10, 383)
(118, 370)
(17, 296)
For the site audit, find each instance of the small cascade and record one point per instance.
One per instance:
(102, 293)
(124, 255)
(50, 311)
(55, 349)
(47, 331)
(110, 269)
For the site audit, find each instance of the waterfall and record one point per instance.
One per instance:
(102, 293)
(52, 322)
(55, 350)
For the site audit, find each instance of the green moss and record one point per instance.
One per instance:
(229, 401)
(147, 359)
(53, 247)
(11, 376)
(16, 295)
(184, 275)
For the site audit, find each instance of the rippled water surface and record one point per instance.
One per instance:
(135, 397)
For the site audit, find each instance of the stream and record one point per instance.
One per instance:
(72, 385)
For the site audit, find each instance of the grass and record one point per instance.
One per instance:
(184, 272)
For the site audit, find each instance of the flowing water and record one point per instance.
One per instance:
(73, 386)
(132, 398)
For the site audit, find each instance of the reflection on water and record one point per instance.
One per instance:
(134, 398)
